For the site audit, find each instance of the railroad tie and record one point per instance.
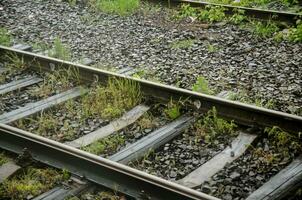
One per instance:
(18, 84)
(114, 126)
(217, 163)
(7, 170)
(73, 188)
(282, 184)
(32, 108)
(152, 141)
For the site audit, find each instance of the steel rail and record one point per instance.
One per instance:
(252, 12)
(122, 178)
(239, 112)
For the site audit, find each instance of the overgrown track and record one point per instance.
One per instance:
(132, 182)
(252, 12)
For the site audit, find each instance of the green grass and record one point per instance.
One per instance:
(183, 44)
(5, 38)
(211, 126)
(172, 110)
(105, 145)
(264, 29)
(295, 34)
(202, 86)
(32, 182)
(60, 50)
(288, 143)
(3, 159)
(112, 100)
(120, 7)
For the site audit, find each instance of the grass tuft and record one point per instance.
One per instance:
(112, 100)
(107, 144)
(5, 38)
(173, 109)
(120, 7)
(211, 126)
(183, 44)
(202, 86)
(31, 183)
(3, 159)
(60, 51)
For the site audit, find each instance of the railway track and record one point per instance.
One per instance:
(251, 12)
(61, 101)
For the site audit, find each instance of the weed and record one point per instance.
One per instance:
(41, 46)
(238, 16)
(59, 80)
(5, 38)
(146, 121)
(295, 34)
(139, 74)
(264, 30)
(267, 157)
(15, 62)
(183, 44)
(278, 37)
(243, 97)
(72, 2)
(211, 126)
(186, 11)
(31, 183)
(173, 109)
(3, 159)
(105, 145)
(107, 196)
(202, 86)
(59, 50)
(211, 48)
(112, 100)
(288, 143)
(212, 14)
(120, 7)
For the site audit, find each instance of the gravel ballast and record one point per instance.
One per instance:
(239, 61)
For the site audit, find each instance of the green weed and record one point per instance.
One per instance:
(120, 7)
(295, 34)
(288, 143)
(186, 11)
(238, 16)
(3, 159)
(264, 30)
(112, 100)
(59, 50)
(173, 109)
(105, 145)
(183, 44)
(243, 97)
(31, 183)
(212, 14)
(15, 62)
(202, 86)
(58, 80)
(211, 126)
(72, 2)
(5, 38)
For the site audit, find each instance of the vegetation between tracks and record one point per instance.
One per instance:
(32, 182)
(212, 14)
(211, 126)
